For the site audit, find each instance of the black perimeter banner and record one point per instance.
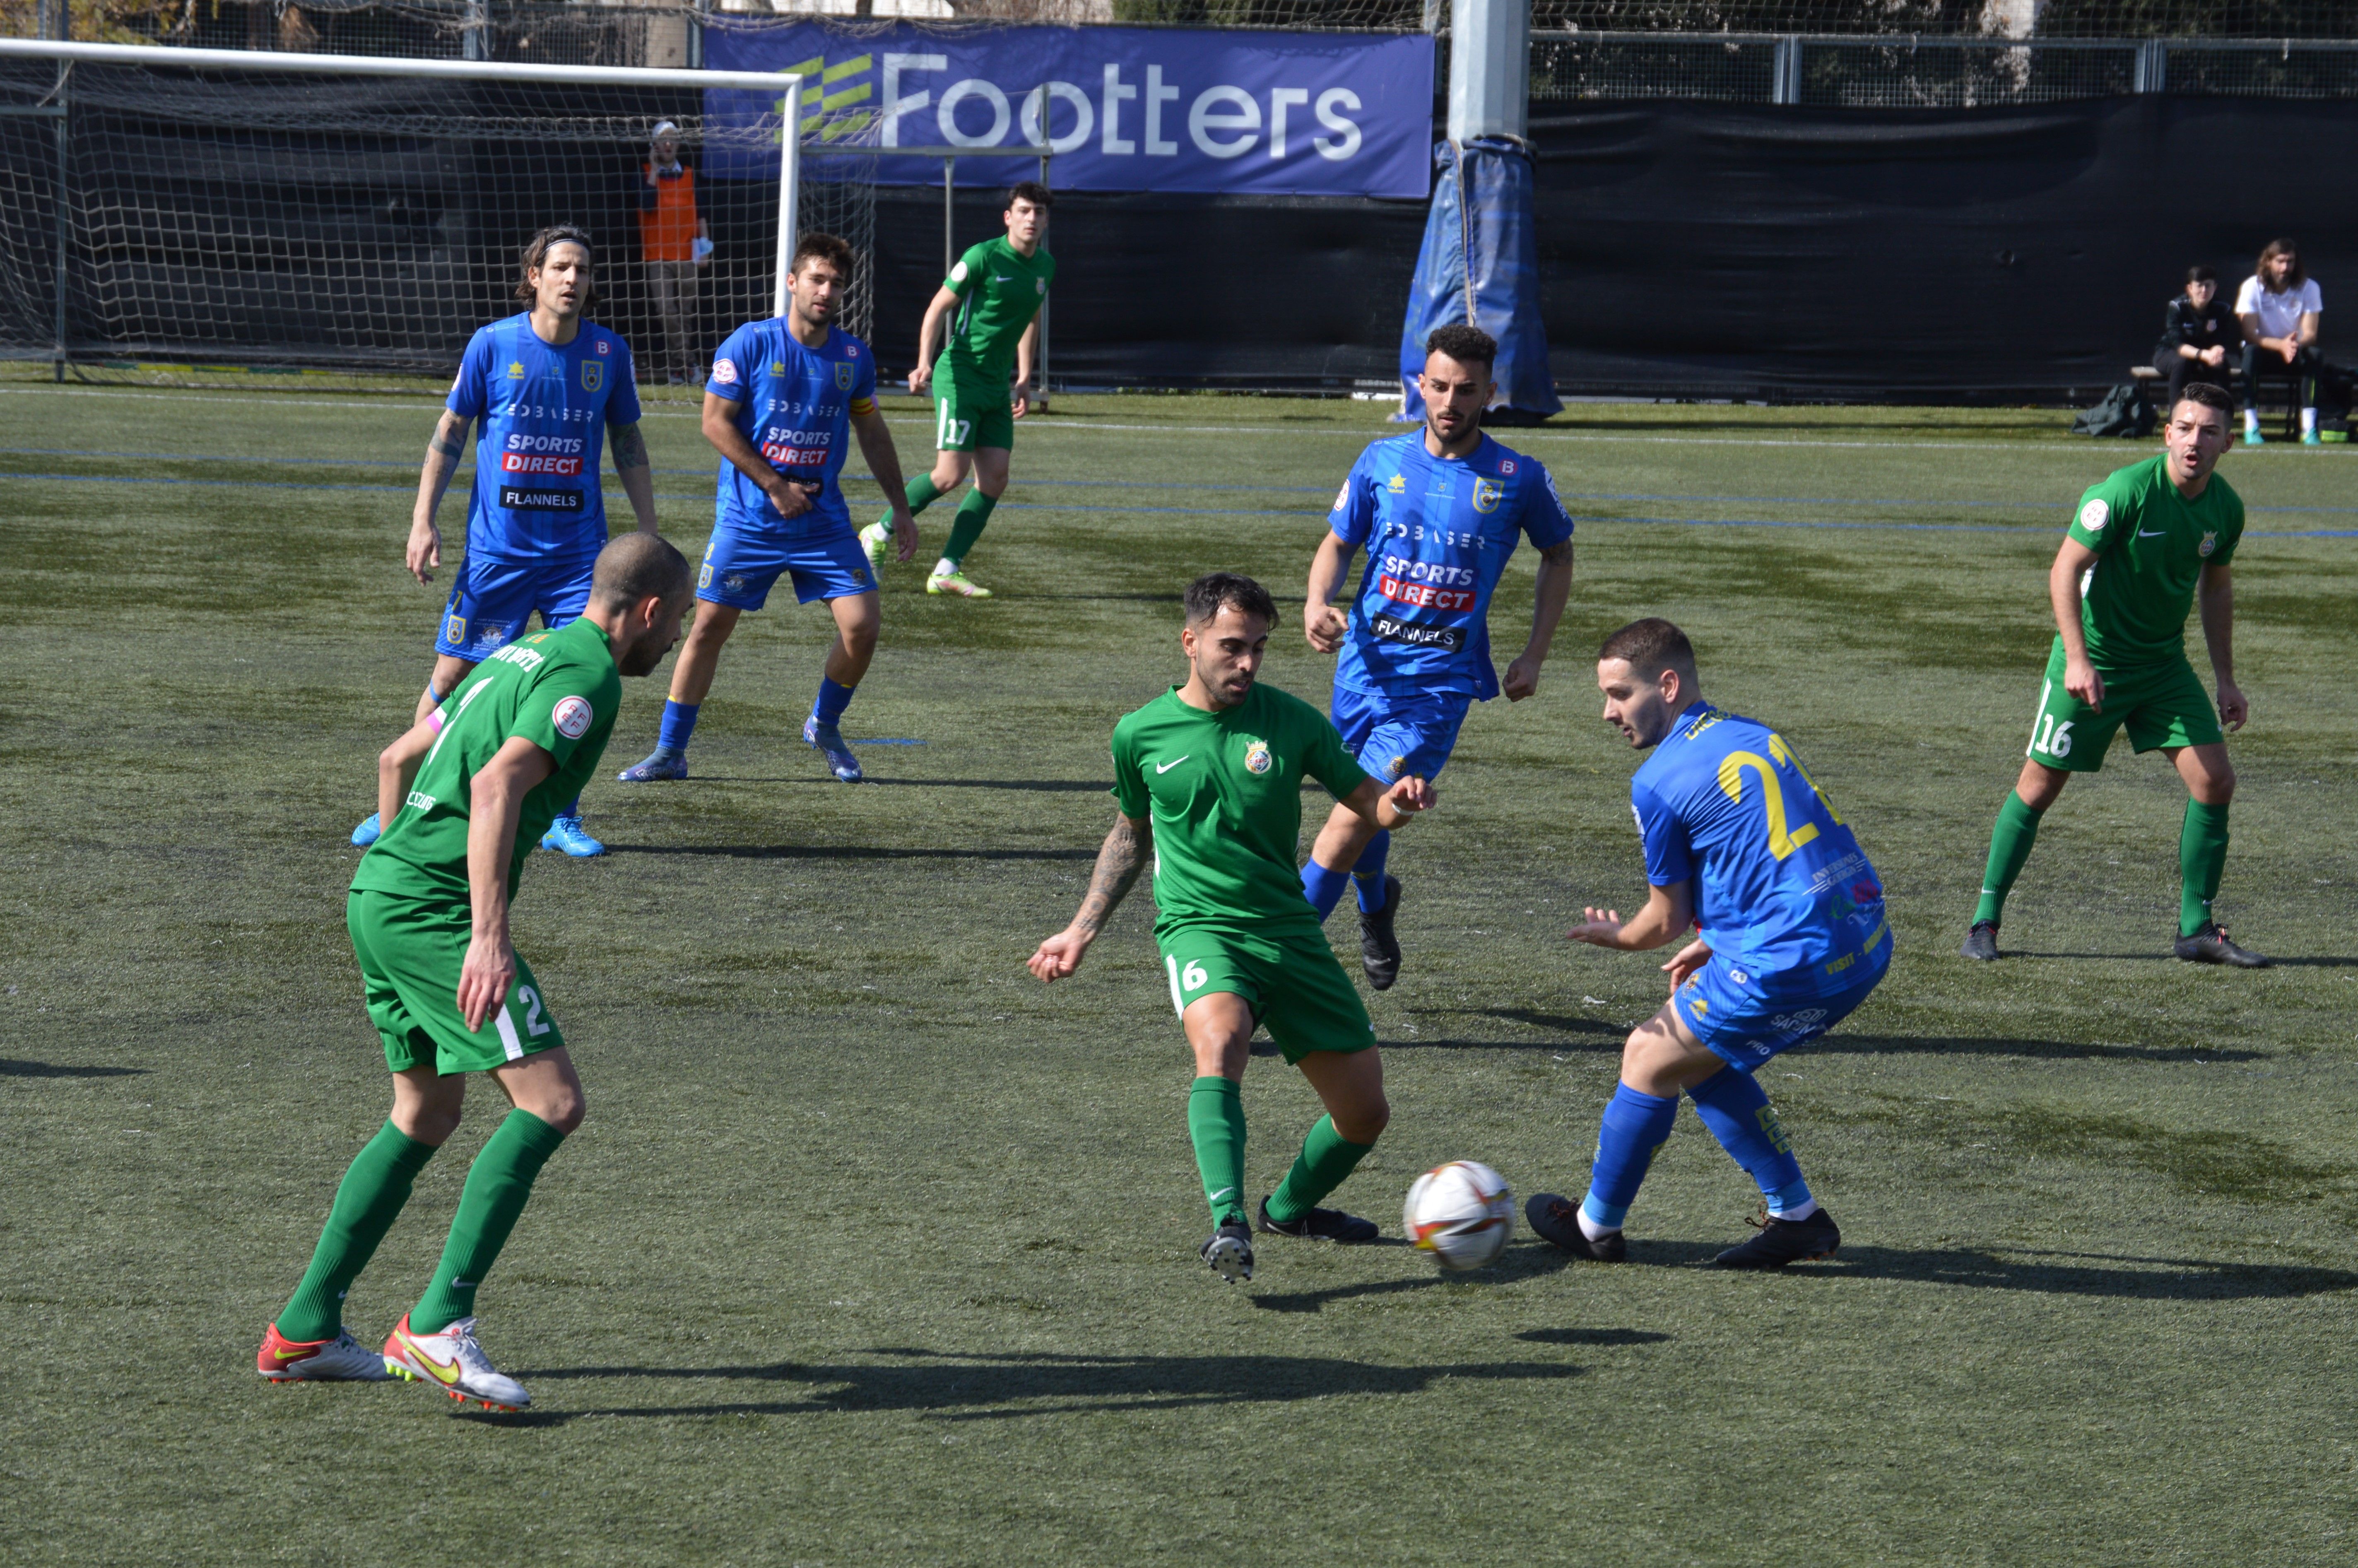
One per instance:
(1695, 250)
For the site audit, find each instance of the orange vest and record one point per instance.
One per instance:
(668, 229)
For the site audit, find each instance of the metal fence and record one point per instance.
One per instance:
(1869, 72)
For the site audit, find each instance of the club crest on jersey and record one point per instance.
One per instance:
(843, 374)
(1257, 759)
(593, 375)
(1487, 495)
(704, 578)
(1041, 284)
(571, 716)
(454, 630)
(2210, 541)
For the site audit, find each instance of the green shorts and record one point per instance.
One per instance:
(2162, 704)
(410, 952)
(968, 414)
(1289, 980)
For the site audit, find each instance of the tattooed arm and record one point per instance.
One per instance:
(631, 465)
(1119, 861)
(442, 455)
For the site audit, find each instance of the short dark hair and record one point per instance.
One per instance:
(2208, 395)
(1467, 345)
(1030, 190)
(835, 253)
(534, 255)
(1651, 646)
(2202, 275)
(1212, 591)
(2295, 275)
(633, 566)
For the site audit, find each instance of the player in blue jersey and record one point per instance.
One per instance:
(548, 387)
(786, 397)
(1742, 843)
(1438, 512)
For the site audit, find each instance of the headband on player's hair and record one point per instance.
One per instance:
(534, 255)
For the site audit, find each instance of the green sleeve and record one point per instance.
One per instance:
(1129, 779)
(566, 704)
(2107, 511)
(969, 267)
(2229, 537)
(1327, 759)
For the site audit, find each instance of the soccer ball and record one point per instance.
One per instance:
(1461, 1213)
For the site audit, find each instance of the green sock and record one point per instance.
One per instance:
(2201, 855)
(2010, 841)
(1215, 1124)
(973, 514)
(922, 494)
(498, 1184)
(1325, 1159)
(367, 1202)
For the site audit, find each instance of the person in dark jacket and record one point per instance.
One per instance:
(2197, 331)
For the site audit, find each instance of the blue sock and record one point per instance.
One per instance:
(572, 807)
(1635, 1125)
(1323, 886)
(1738, 1113)
(1368, 874)
(678, 724)
(832, 700)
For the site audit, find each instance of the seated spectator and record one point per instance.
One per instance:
(2197, 329)
(2279, 307)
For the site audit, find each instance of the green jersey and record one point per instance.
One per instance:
(999, 289)
(2151, 546)
(1224, 791)
(558, 690)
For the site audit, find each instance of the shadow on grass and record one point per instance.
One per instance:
(1840, 1045)
(2320, 962)
(2103, 1274)
(1525, 1261)
(1593, 1336)
(985, 1385)
(844, 852)
(9, 1069)
(1038, 787)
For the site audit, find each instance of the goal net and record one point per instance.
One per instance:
(161, 219)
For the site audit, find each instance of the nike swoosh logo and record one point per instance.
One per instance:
(1166, 767)
(997, 279)
(285, 1355)
(1223, 1193)
(2156, 534)
(440, 1373)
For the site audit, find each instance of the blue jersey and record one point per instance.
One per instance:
(796, 406)
(1782, 888)
(1437, 531)
(543, 412)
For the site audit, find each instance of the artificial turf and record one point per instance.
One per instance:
(874, 1251)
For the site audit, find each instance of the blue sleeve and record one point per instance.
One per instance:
(732, 367)
(1545, 521)
(466, 399)
(623, 399)
(1355, 506)
(1669, 856)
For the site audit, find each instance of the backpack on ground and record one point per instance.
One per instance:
(2123, 411)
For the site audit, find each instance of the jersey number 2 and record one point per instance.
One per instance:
(1732, 767)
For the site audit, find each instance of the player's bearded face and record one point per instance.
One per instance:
(2196, 437)
(818, 289)
(1225, 653)
(647, 649)
(561, 282)
(1633, 705)
(1454, 396)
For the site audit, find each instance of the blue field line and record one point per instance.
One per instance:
(1221, 511)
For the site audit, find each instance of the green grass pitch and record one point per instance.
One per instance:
(874, 1251)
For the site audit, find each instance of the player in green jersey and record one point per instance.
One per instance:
(1207, 782)
(997, 289)
(2148, 544)
(464, 796)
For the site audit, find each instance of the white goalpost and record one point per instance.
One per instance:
(360, 214)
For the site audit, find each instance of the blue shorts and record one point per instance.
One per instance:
(1743, 1024)
(1399, 737)
(492, 602)
(739, 569)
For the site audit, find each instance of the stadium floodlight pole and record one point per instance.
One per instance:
(764, 82)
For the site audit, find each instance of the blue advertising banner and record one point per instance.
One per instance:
(1121, 108)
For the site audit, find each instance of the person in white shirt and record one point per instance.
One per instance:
(2279, 306)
